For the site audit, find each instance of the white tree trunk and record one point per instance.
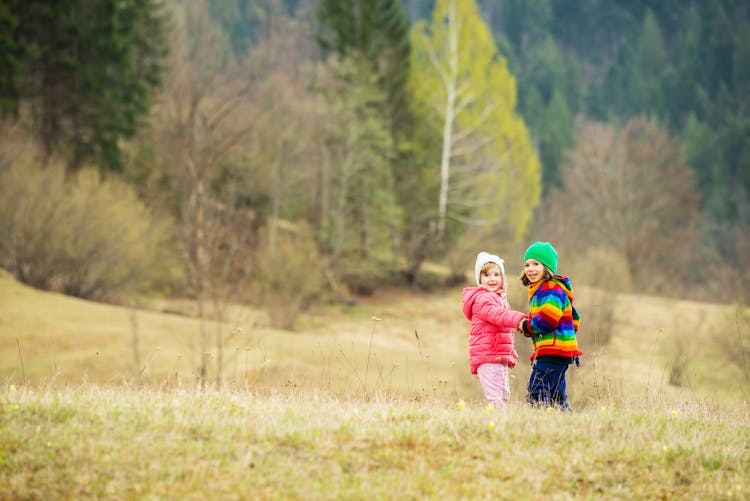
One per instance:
(450, 109)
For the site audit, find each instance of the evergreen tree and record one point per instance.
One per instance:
(557, 137)
(12, 55)
(546, 108)
(373, 36)
(741, 69)
(650, 62)
(719, 44)
(87, 72)
(239, 18)
(377, 31)
(364, 217)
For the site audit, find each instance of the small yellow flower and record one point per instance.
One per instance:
(488, 409)
(491, 425)
(675, 413)
(665, 449)
(461, 404)
(12, 388)
(602, 410)
(550, 410)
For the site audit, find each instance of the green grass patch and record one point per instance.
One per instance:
(110, 443)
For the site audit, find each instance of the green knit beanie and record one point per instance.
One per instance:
(544, 253)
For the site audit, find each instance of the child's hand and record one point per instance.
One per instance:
(523, 327)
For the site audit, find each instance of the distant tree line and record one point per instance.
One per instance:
(684, 64)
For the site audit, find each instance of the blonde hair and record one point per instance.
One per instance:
(486, 268)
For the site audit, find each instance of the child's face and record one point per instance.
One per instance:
(491, 278)
(534, 270)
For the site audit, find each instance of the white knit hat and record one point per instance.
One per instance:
(484, 258)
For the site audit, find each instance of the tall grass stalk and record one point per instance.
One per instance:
(20, 358)
(375, 321)
(742, 349)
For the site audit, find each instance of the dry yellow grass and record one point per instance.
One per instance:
(355, 405)
(396, 342)
(91, 442)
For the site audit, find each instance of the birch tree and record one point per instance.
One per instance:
(488, 169)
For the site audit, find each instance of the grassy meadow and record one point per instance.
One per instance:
(367, 400)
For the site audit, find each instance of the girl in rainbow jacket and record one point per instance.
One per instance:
(552, 326)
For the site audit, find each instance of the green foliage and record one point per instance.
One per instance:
(378, 32)
(662, 59)
(240, 19)
(557, 138)
(370, 43)
(364, 215)
(11, 57)
(86, 71)
(551, 83)
(488, 164)
(368, 27)
(336, 448)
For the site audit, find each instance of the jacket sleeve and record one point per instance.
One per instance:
(546, 313)
(496, 314)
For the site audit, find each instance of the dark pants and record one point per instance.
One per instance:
(547, 382)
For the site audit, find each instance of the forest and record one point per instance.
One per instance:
(285, 153)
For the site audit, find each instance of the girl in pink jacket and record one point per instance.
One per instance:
(491, 348)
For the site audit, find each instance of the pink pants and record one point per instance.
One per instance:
(494, 380)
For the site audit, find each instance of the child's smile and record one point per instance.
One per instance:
(534, 270)
(492, 280)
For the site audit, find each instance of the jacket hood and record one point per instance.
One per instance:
(468, 297)
(562, 280)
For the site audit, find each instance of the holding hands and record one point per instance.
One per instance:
(523, 328)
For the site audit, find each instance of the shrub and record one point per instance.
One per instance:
(602, 268)
(734, 328)
(81, 235)
(289, 272)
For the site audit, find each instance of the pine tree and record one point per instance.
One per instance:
(376, 31)
(650, 62)
(12, 55)
(88, 71)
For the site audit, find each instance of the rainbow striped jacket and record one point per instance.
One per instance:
(553, 318)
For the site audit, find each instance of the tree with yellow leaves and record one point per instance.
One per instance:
(489, 170)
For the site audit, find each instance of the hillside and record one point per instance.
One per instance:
(395, 342)
(357, 406)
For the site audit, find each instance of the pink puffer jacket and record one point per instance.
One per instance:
(492, 325)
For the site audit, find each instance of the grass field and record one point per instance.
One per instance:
(371, 400)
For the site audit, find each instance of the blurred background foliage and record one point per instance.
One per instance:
(168, 146)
